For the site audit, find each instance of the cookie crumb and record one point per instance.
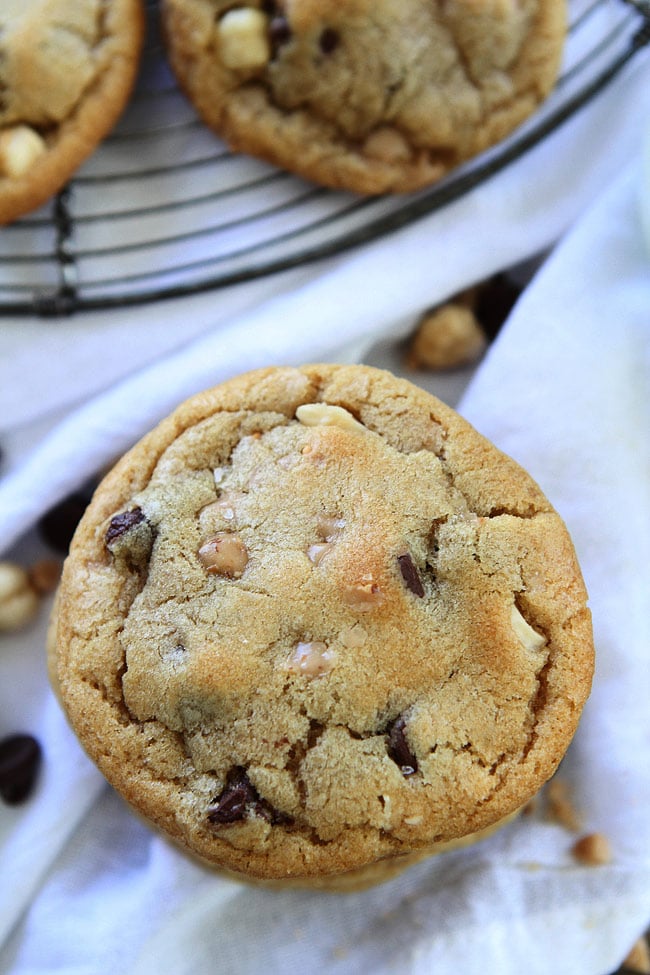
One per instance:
(18, 600)
(594, 850)
(638, 958)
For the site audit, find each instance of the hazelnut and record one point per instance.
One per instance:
(316, 553)
(325, 415)
(243, 39)
(593, 850)
(363, 595)
(524, 632)
(20, 147)
(224, 554)
(387, 144)
(18, 601)
(446, 338)
(312, 659)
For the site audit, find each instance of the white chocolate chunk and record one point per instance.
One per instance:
(20, 147)
(325, 415)
(243, 39)
(524, 631)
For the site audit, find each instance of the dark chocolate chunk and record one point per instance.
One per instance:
(329, 40)
(410, 575)
(279, 32)
(120, 524)
(240, 797)
(58, 525)
(398, 747)
(495, 300)
(20, 760)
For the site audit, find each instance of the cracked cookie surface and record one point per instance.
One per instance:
(66, 70)
(314, 621)
(369, 95)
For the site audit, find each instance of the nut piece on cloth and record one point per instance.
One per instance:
(19, 601)
(368, 95)
(446, 338)
(66, 71)
(310, 717)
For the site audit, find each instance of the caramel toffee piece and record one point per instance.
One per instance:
(315, 623)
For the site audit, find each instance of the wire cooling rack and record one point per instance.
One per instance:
(163, 209)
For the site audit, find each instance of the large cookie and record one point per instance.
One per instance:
(314, 622)
(66, 71)
(371, 95)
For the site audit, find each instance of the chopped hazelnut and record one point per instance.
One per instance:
(325, 415)
(18, 601)
(243, 39)
(363, 595)
(446, 338)
(20, 147)
(316, 553)
(593, 850)
(312, 659)
(524, 632)
(224, 554)
(387, 144)
(328, 526)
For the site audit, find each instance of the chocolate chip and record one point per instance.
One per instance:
(398, 747)
(329, 40)
(59, 524)
(20, 760)
(494, 302)
(120, 524)
(240, 797)
(279, 32)
(410, 575)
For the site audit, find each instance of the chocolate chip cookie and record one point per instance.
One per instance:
(66, 71)
(369, 95)
(315, 624)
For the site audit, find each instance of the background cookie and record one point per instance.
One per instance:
(66, 71)
(371, 95)
(315, 621)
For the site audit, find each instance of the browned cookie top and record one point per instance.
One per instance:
(66, 69)
(315, 619)
(372, 95)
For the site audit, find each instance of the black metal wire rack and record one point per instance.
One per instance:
(163, 209)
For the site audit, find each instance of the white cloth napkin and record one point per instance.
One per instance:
(85, 887)
(565, 389)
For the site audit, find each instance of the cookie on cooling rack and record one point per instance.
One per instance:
(66, 70)
(315, 626)
(369, 95)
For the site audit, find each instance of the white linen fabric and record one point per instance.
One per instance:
(85, 887)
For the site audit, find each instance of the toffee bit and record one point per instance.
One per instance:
(398, 747)
(410, 575)
(122, 523)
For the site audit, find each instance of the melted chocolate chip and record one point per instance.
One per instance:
(329, 40)
(410, 575)
(20, 760)
(398, 747)
(120, 524)
(279, 32)
(240, 797)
